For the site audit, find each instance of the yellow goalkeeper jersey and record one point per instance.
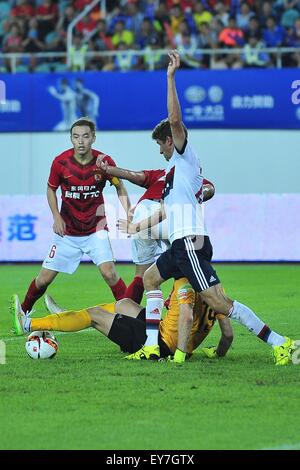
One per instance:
(204, 316)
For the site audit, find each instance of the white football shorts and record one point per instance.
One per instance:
(66, 252)
(147, 245)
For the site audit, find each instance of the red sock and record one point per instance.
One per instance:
(119, 289)
(33, 294)
(135, 290)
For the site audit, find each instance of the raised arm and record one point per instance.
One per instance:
(174, 110)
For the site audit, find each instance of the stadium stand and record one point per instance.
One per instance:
(133, 34)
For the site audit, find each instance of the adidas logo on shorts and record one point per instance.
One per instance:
(212, 279)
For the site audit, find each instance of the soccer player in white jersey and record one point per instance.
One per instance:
(151, 242)
(191, 251)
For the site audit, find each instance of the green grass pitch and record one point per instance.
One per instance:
(87, 397)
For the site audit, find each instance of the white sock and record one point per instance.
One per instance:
(247, 317)
(275, 339)
(244, 315)
(154, 306)
(27, 325)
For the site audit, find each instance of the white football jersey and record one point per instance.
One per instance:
(183, 179)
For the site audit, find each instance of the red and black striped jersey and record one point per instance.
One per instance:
(81, 191)
(155, 182)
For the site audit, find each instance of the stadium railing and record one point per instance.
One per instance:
(13, 60)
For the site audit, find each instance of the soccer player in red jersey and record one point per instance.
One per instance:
(148, 244)
(80, 226)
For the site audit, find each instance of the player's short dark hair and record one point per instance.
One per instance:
(85, 121)
(163, 130)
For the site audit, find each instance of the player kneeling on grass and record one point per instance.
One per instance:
(124, 323)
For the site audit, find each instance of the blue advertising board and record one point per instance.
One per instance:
(243, 99)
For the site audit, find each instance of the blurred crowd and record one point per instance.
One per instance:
(194, 27)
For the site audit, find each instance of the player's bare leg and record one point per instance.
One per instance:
(101, 320)
(45, 278)
(37, 288)
(111, 277)
(128, 307)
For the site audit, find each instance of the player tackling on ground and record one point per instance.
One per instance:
(191, 251)
(124, 323)
(80, 226)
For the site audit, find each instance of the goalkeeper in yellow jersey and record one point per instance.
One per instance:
(123, 322)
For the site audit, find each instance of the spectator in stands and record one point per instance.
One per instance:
(32, 41)
(78, 53)
(201, 15)
(149, 7)
(176, 18)
(146, 34)
(55, 40)
(134, 18)
(23, 9)
(155, 60)
(125, 61)
(290, 15)
(66, 17)
(184, 30)
(122, 35)
(254, 28)
(85, 26)
(244, 16)
(188, 56)
(221, 13)
(207, 37)
(152, 24)
(253, 55)
(273, 34)
(161, 19)
(292, 39)
(231, 36)
(13, 41)
(266, 10)
(101, 38)
(46, 14)
(112, 19)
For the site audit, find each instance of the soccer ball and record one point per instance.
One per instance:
(41, 345)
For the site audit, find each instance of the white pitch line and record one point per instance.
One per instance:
(284, 447)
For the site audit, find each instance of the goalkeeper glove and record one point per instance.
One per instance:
(210, 352)
(179, 356)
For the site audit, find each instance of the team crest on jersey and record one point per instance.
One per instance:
(98, 174)
(183, 293)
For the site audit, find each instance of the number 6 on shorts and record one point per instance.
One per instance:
(52, 251)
